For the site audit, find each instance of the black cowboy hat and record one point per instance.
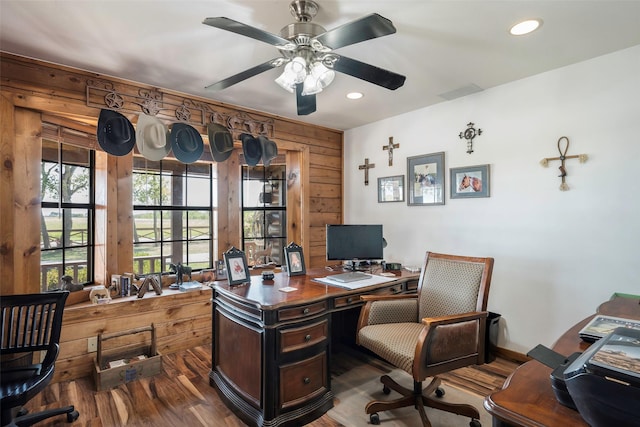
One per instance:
(220, 142)
(251, 148)
(186, 142)
(269, 150)
(116, 134)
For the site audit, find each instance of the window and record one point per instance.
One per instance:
(67, 215)
(264, 214)
(174, 215)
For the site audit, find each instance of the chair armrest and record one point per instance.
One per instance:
(388, 309)
(450, 342)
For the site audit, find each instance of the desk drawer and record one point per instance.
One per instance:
(303, 380)
(302, 311)
(293, 339)
(349, 300)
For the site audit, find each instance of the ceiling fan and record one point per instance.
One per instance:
(306, 52)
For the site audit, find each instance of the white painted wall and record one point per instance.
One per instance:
(557, 254)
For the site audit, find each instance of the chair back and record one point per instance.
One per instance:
(31, 323)
(452, 284)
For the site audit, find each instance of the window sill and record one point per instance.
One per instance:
(80, 299)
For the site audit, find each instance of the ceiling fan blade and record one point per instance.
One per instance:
(246, 30)
(237, 78)
(366, 28)
(370, 73)
(307, 103)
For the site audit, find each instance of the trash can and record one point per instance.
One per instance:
(491, 340)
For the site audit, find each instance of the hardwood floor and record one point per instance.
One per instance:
(181, 395)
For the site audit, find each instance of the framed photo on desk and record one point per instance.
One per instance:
(237, 267)
(295, 260)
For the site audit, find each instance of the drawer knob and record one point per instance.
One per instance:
(306, 380)
(305, 311)
(307, 338)
(349, 300)
(393, 290)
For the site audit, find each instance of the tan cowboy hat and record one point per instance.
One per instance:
(269, 150)
(220, 142)
(152, 138)
(116, 134)
(186, 142)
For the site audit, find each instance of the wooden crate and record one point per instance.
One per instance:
(106, 377)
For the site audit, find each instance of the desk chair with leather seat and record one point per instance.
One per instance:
(29, 325)
(439, 329)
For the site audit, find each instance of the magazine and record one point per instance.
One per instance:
(602, 325)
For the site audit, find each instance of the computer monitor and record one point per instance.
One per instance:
(353, 242)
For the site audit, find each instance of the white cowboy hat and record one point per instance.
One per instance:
(152, 138)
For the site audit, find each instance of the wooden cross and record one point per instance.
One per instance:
(563, 156)
(390, 146)
(366, 168)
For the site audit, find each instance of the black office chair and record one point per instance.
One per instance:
(30, 324)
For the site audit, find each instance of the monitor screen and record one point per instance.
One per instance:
(354, 242)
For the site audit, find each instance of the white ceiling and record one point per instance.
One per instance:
(440, 46)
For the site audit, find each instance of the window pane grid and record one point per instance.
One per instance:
(67, 209)
(264, 213)
(173, 215)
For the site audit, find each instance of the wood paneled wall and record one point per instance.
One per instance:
(32, 91)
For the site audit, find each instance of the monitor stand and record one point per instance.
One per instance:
(354, 265)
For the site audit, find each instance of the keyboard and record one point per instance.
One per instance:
(351, 276)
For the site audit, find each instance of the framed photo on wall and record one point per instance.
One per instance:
(295, 260)
(469, 182)
(425, 180)
(237, 267)
(391, 189)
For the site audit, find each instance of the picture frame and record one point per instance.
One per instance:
(391, 189)
(425, 180)
(237, 267)
(470, 181)
(294, 259)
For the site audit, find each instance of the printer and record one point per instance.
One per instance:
(603, 382)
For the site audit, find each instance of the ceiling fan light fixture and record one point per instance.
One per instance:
(318, 78)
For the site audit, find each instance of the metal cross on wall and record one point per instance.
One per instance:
(366, 168)
(390, 146)
(563, 156)
(469, 134)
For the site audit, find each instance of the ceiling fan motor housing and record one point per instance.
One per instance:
(303, 10)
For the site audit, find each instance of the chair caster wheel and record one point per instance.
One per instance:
(475, 423)
(386, 390)
(439, 392)
(72, 416)
(375, 419)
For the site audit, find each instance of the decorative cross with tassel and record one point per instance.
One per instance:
(563, 156)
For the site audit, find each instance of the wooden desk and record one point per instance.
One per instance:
(527, 398)
(271, 350)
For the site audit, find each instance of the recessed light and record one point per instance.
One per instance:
(354, 95)
(525, 27)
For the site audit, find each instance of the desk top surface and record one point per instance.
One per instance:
(527, 398)
(270, 293)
